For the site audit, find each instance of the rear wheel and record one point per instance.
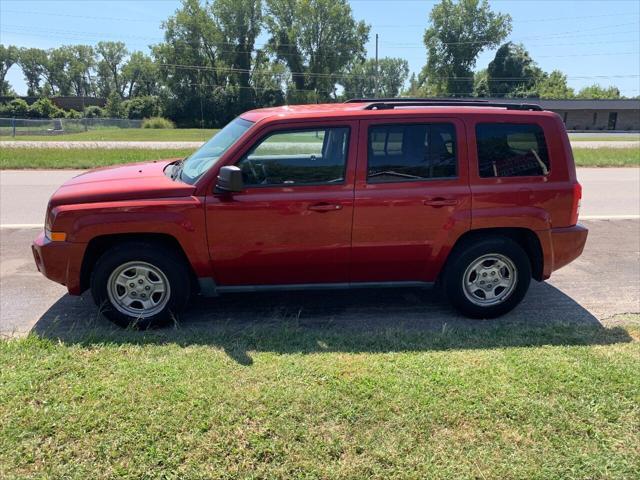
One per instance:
(140, 284)
(487, 278)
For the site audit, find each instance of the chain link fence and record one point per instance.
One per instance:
(14, 127)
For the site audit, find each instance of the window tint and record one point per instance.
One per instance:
(411, 152)
(511, 150)
(300, 157)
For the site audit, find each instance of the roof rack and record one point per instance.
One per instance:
(391, 103)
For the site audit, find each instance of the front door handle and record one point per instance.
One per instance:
(440, 202)
(325, 207)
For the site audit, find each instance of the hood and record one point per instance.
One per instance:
(136, 181)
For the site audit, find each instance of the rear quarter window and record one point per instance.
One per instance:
(511, 150)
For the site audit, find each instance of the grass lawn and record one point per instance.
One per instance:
(126, 134)
(283, 400)
(605, 138)
(606, 157)
(79, 158)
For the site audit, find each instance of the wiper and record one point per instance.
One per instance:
(396, 174)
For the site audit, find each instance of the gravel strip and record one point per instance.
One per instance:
(185, 145)
(100, 145)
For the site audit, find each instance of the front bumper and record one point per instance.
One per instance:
(59, 261)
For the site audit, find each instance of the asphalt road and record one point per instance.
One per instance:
(608, 192)
(603, 282)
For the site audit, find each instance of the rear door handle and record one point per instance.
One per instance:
(325, 207)
(440, 202)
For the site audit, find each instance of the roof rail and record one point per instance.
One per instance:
(390, 103)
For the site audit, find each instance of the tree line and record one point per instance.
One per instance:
(209, 67)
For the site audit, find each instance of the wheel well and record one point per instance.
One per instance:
(98, 245)
(524, 237)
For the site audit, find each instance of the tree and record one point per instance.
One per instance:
(33, 62)
(554, 86)
(361, 79)
(112, 55)
(268, 79)
(8, 56)
(239, 23)
(459, 31)
(481, 84)
(55, 71)
(512, 73)
(595, 91)
(140, 74)
(191, 66)
(413, 90)
(80, 64)
(316, 39)
(114, 107)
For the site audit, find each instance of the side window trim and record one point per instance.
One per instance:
(317, 128)
(428, 124)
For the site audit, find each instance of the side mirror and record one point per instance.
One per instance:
(230, 180)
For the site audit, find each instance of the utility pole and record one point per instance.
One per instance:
(377, 79)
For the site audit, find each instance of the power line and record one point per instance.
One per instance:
(568, 34)
(397, 25)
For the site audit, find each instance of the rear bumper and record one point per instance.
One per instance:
(564, 246)
(59, 261)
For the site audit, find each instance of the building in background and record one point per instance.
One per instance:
(621, 115)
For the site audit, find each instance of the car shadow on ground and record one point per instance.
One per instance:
(381, 320)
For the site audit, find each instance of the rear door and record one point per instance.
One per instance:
(412, 198)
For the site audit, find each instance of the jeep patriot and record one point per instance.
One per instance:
(475, 197)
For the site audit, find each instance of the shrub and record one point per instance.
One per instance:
(93, 112)
(114, 107)
(44, 108)
(15, 108)
(73, 114)
(157, 122)
(142, 107)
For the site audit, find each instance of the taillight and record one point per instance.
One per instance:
(575, 209)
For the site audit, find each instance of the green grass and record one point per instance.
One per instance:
(124, 134)
(607, 157)
(606, 138)
(79, 158)
(284, 400)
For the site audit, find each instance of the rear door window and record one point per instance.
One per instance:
(413, 152)
(511, 150)
(297, 157)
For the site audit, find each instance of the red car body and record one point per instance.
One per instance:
(352, 233)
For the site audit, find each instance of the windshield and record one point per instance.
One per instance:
(209, 153)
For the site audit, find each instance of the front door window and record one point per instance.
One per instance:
(297, 157)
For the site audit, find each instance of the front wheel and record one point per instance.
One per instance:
(487, 278)
(140, 284)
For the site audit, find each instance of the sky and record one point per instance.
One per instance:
(591, 41)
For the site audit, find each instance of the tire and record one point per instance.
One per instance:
(152, 279)
(487, 277)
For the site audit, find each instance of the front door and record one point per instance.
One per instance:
(292, 223)
(412, 198)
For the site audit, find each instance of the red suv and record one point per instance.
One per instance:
(476, 197)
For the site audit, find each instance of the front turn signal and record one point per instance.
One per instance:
(58, 236)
